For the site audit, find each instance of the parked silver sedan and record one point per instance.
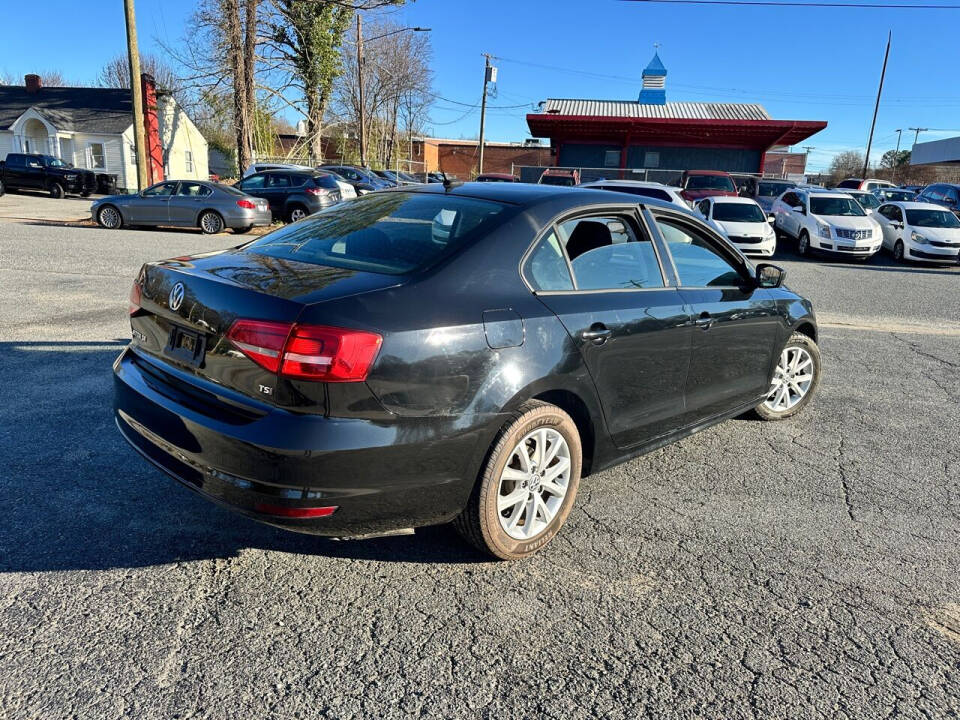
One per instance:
(210, 206)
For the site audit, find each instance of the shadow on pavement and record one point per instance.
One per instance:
(76, 497)
(882, 262)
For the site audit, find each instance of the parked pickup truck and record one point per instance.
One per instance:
(44, 172)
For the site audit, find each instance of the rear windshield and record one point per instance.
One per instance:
(932, 219)
(839, 206)
(565, 180)
(867, 200)
(325, 181)
(769, 189)
(897, 195)
(710, 182)
(738, 212)
(642, 191)
(393, 233)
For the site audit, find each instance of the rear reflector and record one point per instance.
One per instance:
(295, 512)
(247, 204)
(307, 352)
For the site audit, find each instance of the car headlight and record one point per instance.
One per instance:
(918, 238)
(823, 230)
(70, 177)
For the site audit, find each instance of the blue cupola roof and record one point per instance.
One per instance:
(654, 83)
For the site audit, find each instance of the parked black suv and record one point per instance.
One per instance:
(44, 172)
(292, 194)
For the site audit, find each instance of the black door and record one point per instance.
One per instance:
(631, 328)
(15, 171)
(734, 323)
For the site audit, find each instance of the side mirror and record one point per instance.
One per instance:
(770, 276)
(771, 219)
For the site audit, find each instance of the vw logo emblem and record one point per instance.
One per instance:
(176, 297)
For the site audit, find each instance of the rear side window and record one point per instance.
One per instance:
(393, 233)
(324, 181)
(546, 268)
(608, 253)
(278, 180)
(15, 160)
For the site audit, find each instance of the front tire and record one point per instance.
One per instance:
(898, 251)
(795, 380)
(109, 217)
(527, 485)
(803, 244)
(210, 222)
(56, 191)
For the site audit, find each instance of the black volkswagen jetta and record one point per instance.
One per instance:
(459, 354)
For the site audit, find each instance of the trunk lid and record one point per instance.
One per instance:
(188, 304)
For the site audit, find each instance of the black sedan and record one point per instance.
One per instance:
(460, 354)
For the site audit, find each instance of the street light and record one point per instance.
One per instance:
(363, 145)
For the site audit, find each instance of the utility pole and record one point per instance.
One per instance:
(139, 132)
(489, 75)
(896, 154)
(917, 136)
(363, 146)
(876, 108)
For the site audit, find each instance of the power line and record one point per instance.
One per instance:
(774, 3)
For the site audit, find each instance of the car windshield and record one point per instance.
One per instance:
(868, 201)
(836, 206)
(565, 180)
(738, 212)
(393, 233)
(769, 189)
(932, 219)
(710, 182)
(898, 195)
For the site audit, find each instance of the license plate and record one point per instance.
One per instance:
(186, 346)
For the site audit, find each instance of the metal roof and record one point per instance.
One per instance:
(669, 111)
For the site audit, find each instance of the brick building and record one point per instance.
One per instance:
(459, 157)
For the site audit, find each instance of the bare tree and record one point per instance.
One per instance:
(48, 78)
(116, 74)
(846, 164)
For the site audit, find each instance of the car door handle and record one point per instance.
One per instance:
(704, 321)
(597, 334)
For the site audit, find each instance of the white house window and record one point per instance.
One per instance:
(133, 154)
(188, 160)
(611, 158)
(97, 156)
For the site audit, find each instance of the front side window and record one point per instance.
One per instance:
(868, 201)
(160, 190)
(838, 206)
(254, 182)
(771, 189)
(546, 268)
(704, 207)
(698, 262)
(934, 192)
(98, 159)
(791, 199)
(607, 253)
(392, 233)
(932, 219)
(745, 212)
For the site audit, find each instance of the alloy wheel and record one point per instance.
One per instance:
(791, 379)
(297, 214)
(533, 483)
(803, 244)
(211, 223)
(109, 218)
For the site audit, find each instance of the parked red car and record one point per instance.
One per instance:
(698, 184)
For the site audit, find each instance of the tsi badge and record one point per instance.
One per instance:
(176, 296)
(266, 390)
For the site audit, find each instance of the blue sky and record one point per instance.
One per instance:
(800, 63)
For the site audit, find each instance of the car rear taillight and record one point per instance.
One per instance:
(307, 352)
(247, 204)
(316, 191)
(136, 295)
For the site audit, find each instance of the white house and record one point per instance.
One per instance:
(92, 128)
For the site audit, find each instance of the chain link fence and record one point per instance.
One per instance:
(532, 173)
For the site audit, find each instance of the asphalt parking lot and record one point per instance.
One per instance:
(807, 568)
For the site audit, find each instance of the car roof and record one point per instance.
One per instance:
(706, 172)
(629, 183)
(731, 200)
(912, 205)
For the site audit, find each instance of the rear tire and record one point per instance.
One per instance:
(56, 191)
(210, 222)
(789, 392)
(241, 231)
(2, 188)
(803, 244)
(296, 213)
(517, 505)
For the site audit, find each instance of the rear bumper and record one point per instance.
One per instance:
(380, 475)
(243, 218)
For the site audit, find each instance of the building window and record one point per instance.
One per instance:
(651, 159)
(133, 154)
(97, 157)
(188, 160)
(611, 158)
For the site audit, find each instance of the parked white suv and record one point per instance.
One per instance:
(920, 231)
(826, 220)
(642, 188)
(869, 184)
(743, 221)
